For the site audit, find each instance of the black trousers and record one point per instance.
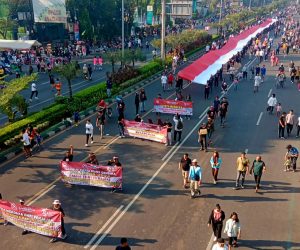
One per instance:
(32, 94)
(280, 131)
(289, 128)
(257, 180)
(217, 229)
(298, 130)
(175, 135)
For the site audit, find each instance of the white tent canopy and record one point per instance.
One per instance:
(18, 44)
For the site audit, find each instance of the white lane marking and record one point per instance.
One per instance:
(144, 187)
(103, 227)
(251, 62)
(41, 195)
(106, 146)
(169, 152)
(259, 118)
(210, 243)
(270, 92)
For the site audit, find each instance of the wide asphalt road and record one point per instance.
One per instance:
(154, 211)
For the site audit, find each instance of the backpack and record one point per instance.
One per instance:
(179, 124)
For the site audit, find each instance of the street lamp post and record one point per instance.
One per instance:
(221, 7)
(123, 33)
(163, 28)
(250, 5)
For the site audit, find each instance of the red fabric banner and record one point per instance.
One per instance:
(80, 173)
(38, 220)
(147, 131)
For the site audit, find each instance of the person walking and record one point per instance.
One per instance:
(184, 166)
(257, 81)
(258, 167)
(33, 91)
(57, 86)
(281, 126)
(202, 133)
(137, 102)
(206, 91)
(89, 130)
(124, 245)
(169, 127)
(298, 127)
(195, 176)
(290, 121)
(293, 154)
(56, 206)
(215, 220)
(26, 143)
(100, 121)
(215, 162)
(178, 122)
(233, 230)
(220, 245)
(108, 86)
(242, 168)
(121, 125)
(272, 102)
(164, 80)
(143, 99)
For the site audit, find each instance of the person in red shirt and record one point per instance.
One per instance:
(170, 80)
(57, 86)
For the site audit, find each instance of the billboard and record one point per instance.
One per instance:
(49, 11)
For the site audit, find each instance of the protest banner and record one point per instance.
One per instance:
(173, 107)
(38, 220)
(80, 173)
(147, 131)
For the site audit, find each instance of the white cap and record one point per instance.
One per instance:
(56, 202)
(195, 160)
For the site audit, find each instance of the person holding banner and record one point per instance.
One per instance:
(178, 127)
(69, 154)
(114, 162)
(22, 203)
(56, 206)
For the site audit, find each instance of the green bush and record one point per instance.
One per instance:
(53, 114)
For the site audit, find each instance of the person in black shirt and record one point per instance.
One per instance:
(138, 118)
(114, 162)
(69, 154)
(184, 165)
(100, 121)
(169, 127)
(92, 159)
(124, 245)
(56, 206)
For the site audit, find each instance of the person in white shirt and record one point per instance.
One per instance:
(220, 245)
(233, 230)
(290, 121)
(257, 81)
(164, 80)
(26, 143)
(33, 91)
(272, 102)
(298, 127)
(89, 130)
(178, 127)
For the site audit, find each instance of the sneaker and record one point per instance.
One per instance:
(215, 238)
(30, 100)
(24, 232)
(53, 240)
(5, 223)
(215, 182)
(92, 142)
(36, 98)
(86, 145)
(235, 188)
(242, 187)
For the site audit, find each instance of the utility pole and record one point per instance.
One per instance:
(221, 8)
(250, 5)
(123, 33)
(163, 29)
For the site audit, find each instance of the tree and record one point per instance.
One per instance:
(133, 55)
(5, 26)
(113, 57)
(10, 99)
(68, 71)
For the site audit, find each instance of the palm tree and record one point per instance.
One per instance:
(68, 71)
